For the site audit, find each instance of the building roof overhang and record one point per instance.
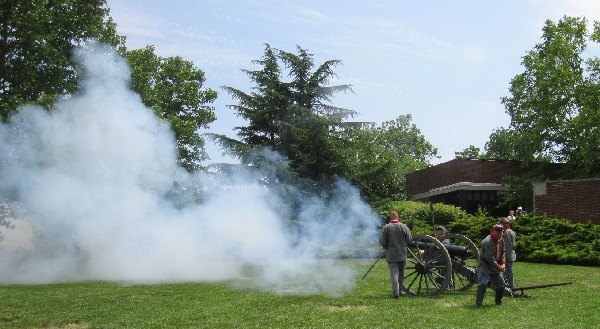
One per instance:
(461, 186)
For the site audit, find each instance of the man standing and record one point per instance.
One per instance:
(509, 239)
(491, 264)
(394, 239)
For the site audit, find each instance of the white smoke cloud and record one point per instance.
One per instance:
(98, 179)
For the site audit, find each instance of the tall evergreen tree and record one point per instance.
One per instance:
(267, 107)
(289, 111)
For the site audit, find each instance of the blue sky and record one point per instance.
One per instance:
(447, 63)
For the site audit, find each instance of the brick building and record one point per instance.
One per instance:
(467, 183)
(575, 200)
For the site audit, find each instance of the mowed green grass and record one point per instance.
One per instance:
(368, 305)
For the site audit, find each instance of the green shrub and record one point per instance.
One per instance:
(548, 240)
(474, 227)
(418, 214)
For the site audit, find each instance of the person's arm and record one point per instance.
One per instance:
(502, 261)
(383, 240)
(408, 235)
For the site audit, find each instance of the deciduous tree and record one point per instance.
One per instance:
(172, 87)
(36, 42)
(468, 153)
(379, 157)
(37, 39)
(554, 104)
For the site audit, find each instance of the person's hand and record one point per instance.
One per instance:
(501, 268)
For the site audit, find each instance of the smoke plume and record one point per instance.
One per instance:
(99, 181)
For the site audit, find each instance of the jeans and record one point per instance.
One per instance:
(397, 276)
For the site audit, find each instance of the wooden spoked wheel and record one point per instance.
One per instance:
(464, 255)
(428, 267)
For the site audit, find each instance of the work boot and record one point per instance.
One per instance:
(480, 294)
(499, 294)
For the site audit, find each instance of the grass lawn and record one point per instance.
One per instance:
(368, 305)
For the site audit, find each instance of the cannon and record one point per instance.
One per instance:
(433, 267)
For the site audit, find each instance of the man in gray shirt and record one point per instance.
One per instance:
(394, 239)
(509, 238)
(491, 264)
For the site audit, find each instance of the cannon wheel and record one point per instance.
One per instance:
(427, 267)
(459, 280)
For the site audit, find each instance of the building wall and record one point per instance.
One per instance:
(460, 170)
(575, 200)
(475, 171)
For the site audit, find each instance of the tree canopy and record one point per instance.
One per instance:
(36, 42)
(172, 87)
(470, 152)
(379, 157)
(289, 111)
(554, 104)
(37, 39)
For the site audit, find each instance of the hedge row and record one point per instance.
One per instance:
(539, 239)
(419, 215)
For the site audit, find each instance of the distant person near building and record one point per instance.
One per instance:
(511, 215)
(520, 212)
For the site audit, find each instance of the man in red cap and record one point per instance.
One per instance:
(509, 239)
(394, 239)
(491, 265)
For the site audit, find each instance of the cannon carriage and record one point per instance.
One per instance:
(433, 267)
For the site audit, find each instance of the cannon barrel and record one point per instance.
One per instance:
(457, 251)
(453, 250)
